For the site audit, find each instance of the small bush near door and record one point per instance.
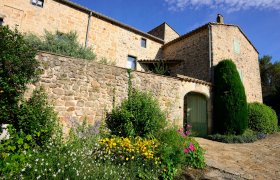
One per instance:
(262, 118)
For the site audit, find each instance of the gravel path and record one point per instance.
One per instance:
(258, 160)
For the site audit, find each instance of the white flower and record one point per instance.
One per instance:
(54, 175)
(37, 160)
(38, 177)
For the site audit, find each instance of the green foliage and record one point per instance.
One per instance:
(36, 116)
(270, 78)
(61, 43)
(18, 67)
(195, 158)
(14, 151)
(160, 68)
(262, 118)
(230, 106)
(139, 115)
(78, 158)
(247, 137)
(172, 147)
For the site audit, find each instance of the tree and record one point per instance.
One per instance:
(270, 77)
(230, 106)
(18, 67)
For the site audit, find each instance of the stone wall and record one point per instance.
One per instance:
(108, 38)
(228, 42)
(80, 89)
(165, 32)
(115, 43)
(194, 50)
(170, 34)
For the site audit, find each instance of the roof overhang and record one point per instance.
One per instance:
(165, 61)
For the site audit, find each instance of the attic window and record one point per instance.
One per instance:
(236, 45)
(39, 3)
(1, 21)
(143, 43)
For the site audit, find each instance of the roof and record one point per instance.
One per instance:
(203, 27)
(167, 61)
(108, 19)
(164, 23)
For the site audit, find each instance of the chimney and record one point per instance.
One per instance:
(220, 19)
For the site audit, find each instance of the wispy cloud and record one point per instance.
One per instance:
(229, 5)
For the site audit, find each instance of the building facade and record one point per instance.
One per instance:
(191, 56)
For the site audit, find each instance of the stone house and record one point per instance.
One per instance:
(190, 59)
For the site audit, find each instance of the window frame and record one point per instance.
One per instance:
(36, 3)
(135, 61)
(1, 21)
(145, 43)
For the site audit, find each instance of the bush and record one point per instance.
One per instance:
(36, 116)
(262, 118)
(86, 158)
(177, 149)
(247, 137)
(230, 106)
(61, 43)
(18, 68)
(139, 115)
(14, 151)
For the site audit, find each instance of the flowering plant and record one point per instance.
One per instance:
(194, 153)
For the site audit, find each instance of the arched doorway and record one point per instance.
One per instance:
(195, 113)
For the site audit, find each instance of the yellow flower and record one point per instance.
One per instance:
(127, 159)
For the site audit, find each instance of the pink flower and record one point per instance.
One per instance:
(191, 147)
(186, 150)
(189, 126)
(188, 133)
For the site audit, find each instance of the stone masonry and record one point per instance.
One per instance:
(108, 38)
(80, 89)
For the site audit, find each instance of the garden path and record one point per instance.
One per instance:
(258, 160)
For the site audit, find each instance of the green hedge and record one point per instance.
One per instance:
(262, 118)
(230, 106)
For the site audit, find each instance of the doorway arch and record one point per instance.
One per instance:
(195, 113)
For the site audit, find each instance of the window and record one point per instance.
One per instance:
(131, 62)
(143, 43)
(1, 21)
(236, 44)
(39, 3)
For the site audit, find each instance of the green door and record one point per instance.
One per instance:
(196, 113)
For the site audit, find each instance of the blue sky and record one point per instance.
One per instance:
(259, 19)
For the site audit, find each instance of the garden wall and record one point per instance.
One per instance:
(80, 89)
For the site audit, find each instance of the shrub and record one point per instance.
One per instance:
(262, 118)
(14, 151)
(177, 149)
(36, 116)
(247, 137)
(230, 106)
(139, 115)
(61, 43)
(18, 68)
